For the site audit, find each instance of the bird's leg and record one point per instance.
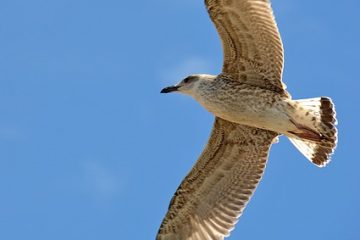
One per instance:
(305, 132)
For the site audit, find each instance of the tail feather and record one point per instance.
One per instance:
(319, 115)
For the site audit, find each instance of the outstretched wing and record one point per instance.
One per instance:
(211, 198)
(253, 51)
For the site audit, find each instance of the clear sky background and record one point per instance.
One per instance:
(89, 148)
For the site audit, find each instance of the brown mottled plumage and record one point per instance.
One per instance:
(252, 107)
(253, 50)
(213, 195)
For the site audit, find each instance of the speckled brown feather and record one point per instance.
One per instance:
(253, 50)
(321, 115)
(212, 197)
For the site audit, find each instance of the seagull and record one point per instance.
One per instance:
(251, 108)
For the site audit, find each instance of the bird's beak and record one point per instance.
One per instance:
(170, 89)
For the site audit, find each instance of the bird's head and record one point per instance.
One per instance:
(190, 84)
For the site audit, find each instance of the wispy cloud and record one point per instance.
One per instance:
(100, 180)
(11, 133)
(186, 67)
(283, 7)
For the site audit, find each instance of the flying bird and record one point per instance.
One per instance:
(252, 108)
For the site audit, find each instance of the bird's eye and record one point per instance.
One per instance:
(189, 79)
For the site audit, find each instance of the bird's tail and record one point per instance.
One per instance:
(316, 134)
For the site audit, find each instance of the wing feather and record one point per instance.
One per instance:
(211, 198)
(253, 50)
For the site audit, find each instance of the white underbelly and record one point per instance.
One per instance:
(274, 119)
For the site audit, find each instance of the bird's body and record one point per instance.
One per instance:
(246, 104)
(251, 108)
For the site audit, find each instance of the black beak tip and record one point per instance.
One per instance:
(163, 90)
(169, 89)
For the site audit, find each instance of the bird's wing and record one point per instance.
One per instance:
(211, 198)
(253, 51)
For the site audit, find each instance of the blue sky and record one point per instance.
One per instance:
(89, 149)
